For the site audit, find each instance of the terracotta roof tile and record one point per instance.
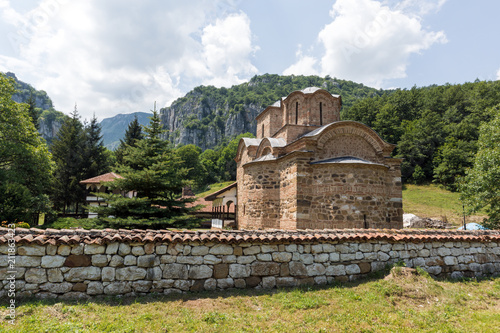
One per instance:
(107, 177)
(74, 236)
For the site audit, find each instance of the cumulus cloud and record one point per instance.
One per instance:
(227, 50)
(370, 42)
(498, 74)
(120, 56)
(305, 65)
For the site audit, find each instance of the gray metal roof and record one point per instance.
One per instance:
(251, 141)
(268, 157)
(277, 142)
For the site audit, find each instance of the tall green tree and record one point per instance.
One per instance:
(25, 164)
(132, 135)
(226, 162)
(154, 171)
(68, 153)
(95, 158)
(481, 185)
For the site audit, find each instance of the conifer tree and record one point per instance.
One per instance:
(132, 135)
(68, 154)
(154, 171)
(95, 157)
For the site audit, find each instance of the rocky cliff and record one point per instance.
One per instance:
(209, 116)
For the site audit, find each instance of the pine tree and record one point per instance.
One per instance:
(132, 135)
(95, 157)
(32, 111)
(68, 154)
(153, 170)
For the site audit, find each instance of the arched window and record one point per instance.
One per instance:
(296, 113)
(320, 113)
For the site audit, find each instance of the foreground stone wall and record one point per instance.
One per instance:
(82, 264)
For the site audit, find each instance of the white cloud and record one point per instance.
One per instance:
(305, 65)
(121, 56)
(228, 49)
(498, 74)
(369, 42)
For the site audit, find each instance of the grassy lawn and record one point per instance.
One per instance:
(213, 188)
(435, 202)
(398, 304)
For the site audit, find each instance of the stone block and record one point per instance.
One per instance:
(35, 275)
(138, 250)
(51, 249)
(283, 282)
(291, 248)
(64, 250)
(307, 258)
(281, 256)
(200, 272)
(99, 260)
(154, 273)
(444, 251)
(197, 285)
(251, 250)
(364, 267)
(80, 287)
(348, 256)
(365, 247)
(297, 268)
(57, 288)
(221, 249)
(124, 249)
(175, 271)
(252, 281)
(168, 259)
(77, 249)
(221, 271)
(382, 256)
(225, 283)
(112, 248)
(116, 261)
(317, 248)
(190, 260)
(268, 282)
(148, 260)
(161, 249)
(352, 269)
(95, 288)
(243, 260)
(31, 250)
(238, 251)
(149, 248)
(240, 283)
(284, 270)
(94, 249)
(210, 284)
(265, 268)
(322, 257)
(264, 257)
(26, 261)
(117, 288)
(108, 274)
(131, 273)
(334, 257)
(199, 250)
(450, 261)
(269, 248)
(130, 260)
(210, 259)
(162, 284)
(79, 274)
(315, 269)
(320, 280)
(335, 270)
(142, 286)
(78, 260)
(54, 275)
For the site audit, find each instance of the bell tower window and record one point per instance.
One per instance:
(296, 113)
(320, 113)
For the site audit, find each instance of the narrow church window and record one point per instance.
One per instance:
(296, 113)
(320, 113)
(262, 130)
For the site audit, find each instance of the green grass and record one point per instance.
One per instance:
(213, 188)
(435, 202)
(399, 304)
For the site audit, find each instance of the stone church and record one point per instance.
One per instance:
(307, 169)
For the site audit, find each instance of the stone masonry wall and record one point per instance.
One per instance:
(81, 264)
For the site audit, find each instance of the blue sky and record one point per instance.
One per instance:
(119, 56)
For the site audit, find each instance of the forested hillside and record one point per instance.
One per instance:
(48, 120)
(435, 128)
(209, 116)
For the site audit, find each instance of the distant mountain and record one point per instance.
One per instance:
(209, 116)
(113, 129)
